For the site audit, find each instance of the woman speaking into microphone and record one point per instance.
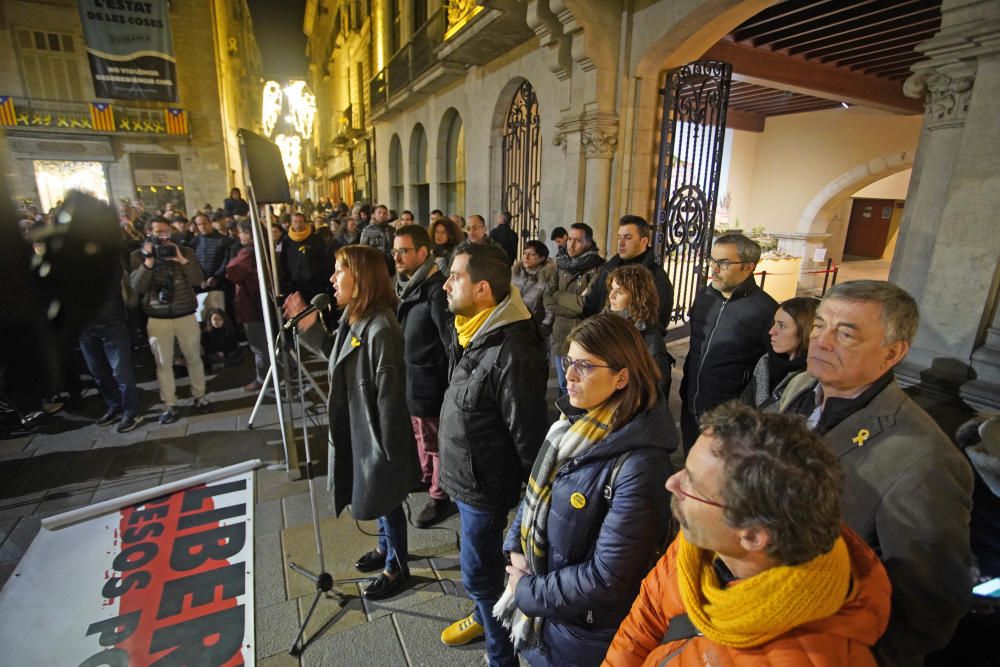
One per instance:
(373, 456)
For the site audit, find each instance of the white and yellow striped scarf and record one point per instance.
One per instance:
(563, 442)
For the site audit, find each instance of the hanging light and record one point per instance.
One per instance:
(271, 106)
(302, 104)
(290, 146)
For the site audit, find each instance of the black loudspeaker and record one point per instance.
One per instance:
(265, 170)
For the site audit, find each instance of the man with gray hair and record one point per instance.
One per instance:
(908, 490)
(729, 323)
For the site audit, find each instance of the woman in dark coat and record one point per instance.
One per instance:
(632, 294)
(373, 457)
(789, 334)
(445, 235)
(596, 509)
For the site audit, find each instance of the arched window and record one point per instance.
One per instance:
(420, 189)
(453, 163)
(395, 173)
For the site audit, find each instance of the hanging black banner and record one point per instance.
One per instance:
(130, 49)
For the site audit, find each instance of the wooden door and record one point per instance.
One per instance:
(868, 229)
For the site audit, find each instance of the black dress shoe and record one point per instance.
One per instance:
(371, 561)
(384, 587)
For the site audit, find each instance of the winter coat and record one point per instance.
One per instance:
(493, 420)
(728, 336)
(215, 341)
(212, 251)
(907, 493)
(758, 392)
(563, 297)
(427, 324)
(380, 237)
(306, 266)
(653, 337)
(179, 282)
(532, 286)
(597, 297)
(841, 640)
(234, 207)
(506, 238)
(241, 271)
(598, 553)
(373, 456)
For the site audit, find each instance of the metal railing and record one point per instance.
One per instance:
(409, 62)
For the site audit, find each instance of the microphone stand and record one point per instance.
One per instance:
(323, 580)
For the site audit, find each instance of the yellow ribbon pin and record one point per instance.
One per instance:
(860, 438)
(578, 500)
(355, 342)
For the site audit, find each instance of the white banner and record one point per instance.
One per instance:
(169, 579)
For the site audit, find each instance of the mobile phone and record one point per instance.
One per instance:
(988, 589)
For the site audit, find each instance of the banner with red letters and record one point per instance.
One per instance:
(167, 580)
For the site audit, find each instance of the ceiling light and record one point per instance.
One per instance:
(845, 105)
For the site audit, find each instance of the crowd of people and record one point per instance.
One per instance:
(820, 515)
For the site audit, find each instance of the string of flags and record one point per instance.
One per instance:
(100, 118)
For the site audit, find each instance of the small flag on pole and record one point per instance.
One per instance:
(177, 122)
(7, 115)
(102, 117)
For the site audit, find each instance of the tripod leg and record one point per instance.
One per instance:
(260, 397)
(297, 647)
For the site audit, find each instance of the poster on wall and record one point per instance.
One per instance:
(130, 49)
(161, 577)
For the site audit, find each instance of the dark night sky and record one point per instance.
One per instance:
(277, 24)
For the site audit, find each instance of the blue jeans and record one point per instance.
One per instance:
(107, 350)
(482, 562)
(392, 541)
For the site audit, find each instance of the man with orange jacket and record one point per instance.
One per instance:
(763, 572)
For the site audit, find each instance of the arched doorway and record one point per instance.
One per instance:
(451, 148)
(395, 173)
(521, 149)
(420, 189)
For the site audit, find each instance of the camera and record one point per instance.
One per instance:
(162, 249)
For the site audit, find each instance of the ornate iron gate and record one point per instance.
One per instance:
(520, 176)
(692, 133)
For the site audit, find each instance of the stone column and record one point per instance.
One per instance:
(599, 145)
(951, 259)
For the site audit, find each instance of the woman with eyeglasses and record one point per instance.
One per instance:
(789, 334)
(373, 456)
(596, 510)
(632, 295)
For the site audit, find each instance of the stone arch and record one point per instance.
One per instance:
(451, 161)
(418, 174)
(396, 171)
(824, 212)
(499, 199)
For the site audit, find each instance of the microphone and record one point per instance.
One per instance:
(319, 302)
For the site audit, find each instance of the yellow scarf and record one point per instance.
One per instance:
(299, 237)
(764, 606)
(468, 326)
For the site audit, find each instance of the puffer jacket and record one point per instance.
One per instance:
(492, 421)
(598, 553)
(843, 639)
(212, 251)
(426, 323)
(178, 281)
(566, 290)
(728, 336)
(532, 286)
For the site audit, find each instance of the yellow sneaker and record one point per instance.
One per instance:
(462, 632)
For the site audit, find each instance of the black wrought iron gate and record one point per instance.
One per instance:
(520, 177)
(692, 134)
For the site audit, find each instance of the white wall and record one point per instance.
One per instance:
(890, 187)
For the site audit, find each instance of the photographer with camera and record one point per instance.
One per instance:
(165, 276)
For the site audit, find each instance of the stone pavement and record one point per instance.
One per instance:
(71, 463)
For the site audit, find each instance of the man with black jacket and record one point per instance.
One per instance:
(505, 236)
(304, 263)
(493, 422)
(212, 249)
(426, 323)
(165, 282)
(729, 324)
(635, 239)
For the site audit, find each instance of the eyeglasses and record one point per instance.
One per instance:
(581, 366)
(682, 492)
(401, 252)
(722, 263)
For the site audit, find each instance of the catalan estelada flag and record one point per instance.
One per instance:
(7, 115)
(177, 121)
(102, 117)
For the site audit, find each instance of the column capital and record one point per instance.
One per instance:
(599, 142)
(946, 96)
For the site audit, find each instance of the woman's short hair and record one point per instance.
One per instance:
(450, 228)
(540, 248)
(802, 309)
(638, 282)
(374, 288)
(616, 341)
